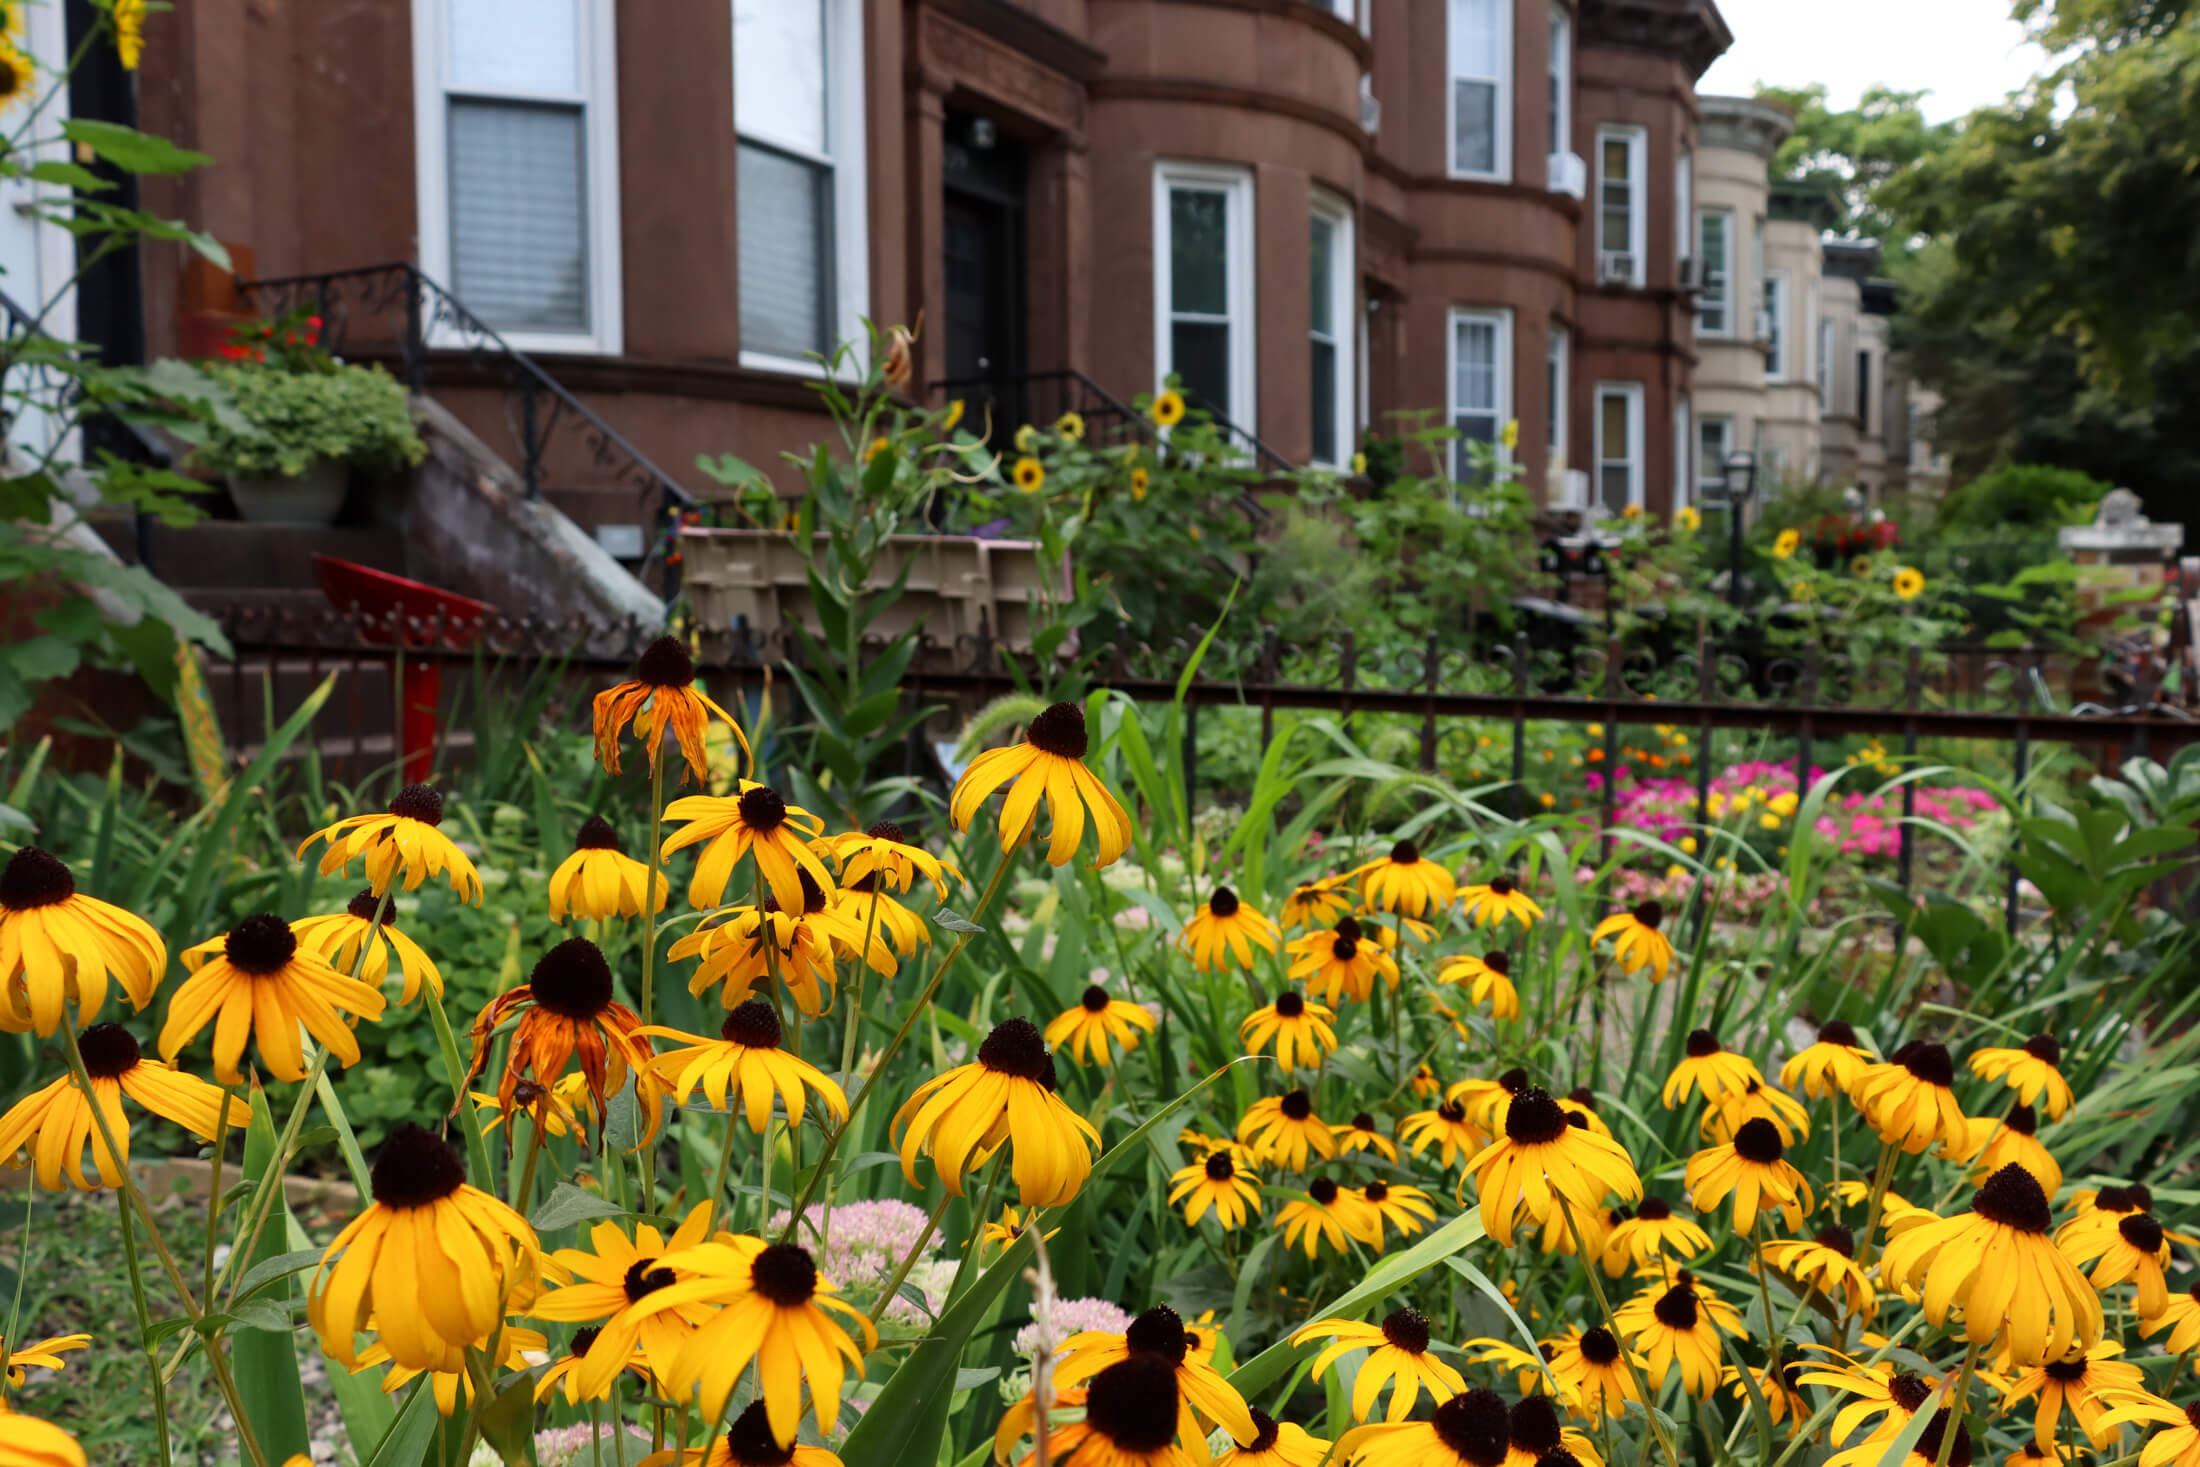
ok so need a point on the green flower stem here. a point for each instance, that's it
(1881, 1175)
(1764, 1293)
(144, 1313)
(892, 1290)
(214, 1189)
(719, 1212)
(1604, 1307)
(647, 1195)
(1958, 1403)
(850, 1025)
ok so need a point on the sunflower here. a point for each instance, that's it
(1708, 1069)
(1217, 1184)
(1993, 1142)
(2135, 1253)
(745, 946)
(1408, 1209)
(613, 1273)
(1398, 1356)
(960, 1118)
(745, 1064)
(2030, 1071)
(1446, 1128)
(1029, 474)
(1592, 1375)
(1786, 545)
(1537, 1433)
(1284, 1129)
(1472, 1429)
(748, 1442)
(1731, 1111)
(663, 684)
(1860, 566)
(1831, 1065)
(1582, 1101)
(56, 1124)
(1909, 1099)
(1224, 932)
(1826, 1262)
(1679, 1327)
(1298, 1031)
(1330, 1213)
(335, 937)
(1049, 764)
(255, 982)
(1639, 943)
(1541, 1160)
(1407, 881)
(405, 839)
(1909, 584)
(1168, 408)
(26, 1441)
(1138, 483)
(1097, 1019)
(1071, 425)
(861, 907)
(453, 1388)
(565, 1011)
(1644, 1240)
(600, 880)
(754, 822)
(1341, 963)
(886, 854)
(1159, 1335)
(1363, 1134)
(2077, 1383)
(431, 1260)
(1491, 902)
(1316, 903)
(1752, 1169)
(1488, 979)
(2031, 1295)
(58, 948)
(2176, 1442)
(1276, 1444)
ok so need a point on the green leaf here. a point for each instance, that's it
(262, 1314)
(622, 1127)
(947, 921)
(567, 1205)
(508, 1424)
(70, 175)
(267, 1270)
(407, 1441)
(264, 1355)
(130, 150)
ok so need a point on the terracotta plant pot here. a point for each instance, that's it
(311, 498)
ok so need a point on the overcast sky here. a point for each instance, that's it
(1967, 52)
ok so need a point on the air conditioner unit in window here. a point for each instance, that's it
(1615, 269)
(1684, 271)
(1570, 489)
(1568, 174)
(1371, 107)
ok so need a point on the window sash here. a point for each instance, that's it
(1558, 368)
(1330, 343)
(1619, 464)
(1480, 97)
(1714, 246)
(1684, 444)
(1825, 366)
(1481, 381)
(1621, 199)
(1205, 338)
(1714, 441)
(1562, 82)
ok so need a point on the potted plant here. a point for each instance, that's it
(303, 422)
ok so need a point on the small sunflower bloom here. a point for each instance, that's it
(1830, 1066)
(1407, 1209)
(1299, 1032)
(1341, 963)
(1224, 932)
(754, 822)
(336, 936)
(745, 1064)
(1094, 1023)
(1826, 1262)
(2032, 1071)
(1407, 881)
(56, 1125)
(1994, 1142)
(662, 697)
(1638, 942)
(1590, 1372)
(255, 983)
(2079, 1383)
(1215, 1185)
(1909, 1099)
(1652, 1234)
(1398, 1357)
(1448, 1129)
(1909, 583)
(1471, 1429)
(961, 1117)
(1731, 1111)
(1709, 1069)
(1752, 1170)
(1276, 1444)
(1316, 903)
(566, 1012)
(404, 840)
(1491, 902)
(1328, 1214)
(1049, 764)
(1363, 1134)
(1284, 1130)
(1487, 979)
(2135, 1253)
(1168, 408)
(59, 947)
(1028, 474)
(1787, 544)
(600, 880)
(1678, 1328)
(1542, 1160)
(884, 853)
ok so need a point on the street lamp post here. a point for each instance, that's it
(1737, 478)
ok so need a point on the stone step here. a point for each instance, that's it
(215, 554)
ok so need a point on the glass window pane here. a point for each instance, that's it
(779, 72)
(1613, 486)
(1474, 121)
(1617, 156)
(1199, 251)
(1612, 409)
(1199, 354)
(1475, 35)
(516, 45)
(1475, 389)
(786, 254)
(1321, 255)
(519, 236)
(1324, 406)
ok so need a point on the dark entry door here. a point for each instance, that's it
(983, 246)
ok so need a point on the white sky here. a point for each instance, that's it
(1968, 52)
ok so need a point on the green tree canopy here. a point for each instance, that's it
(1847, 157)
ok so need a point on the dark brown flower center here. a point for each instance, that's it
(416, 1167)
(1927, 1061)
(1475, 1426)
(1095, 1000)
(750, 1442)
(1363, 1122)
(1654, 1209)
(2022, 1120)
(1133, 1403)
(1297, 1106)
(362, 906)
(1837, 1031)
(2068, 1371)
(1908, 1391)
(813, 895)
(2192, 1416)
(1223, 902)
(1513, 1081)
(1060, 731)
(1598, 1347)
(1651, 914)
(1407, 1329)
(260, 945)
(1451, 1112)
(1928, 1445)
(1265, 1432)
(584, 1340)
(2141, 1232)
(642, 1280)
(785, 1274)
(1345, 949)
(2044, 1047)
(572, 980)
(1159, 1331)
(1534, 1119)
(1376, 1191)
(1583, 1096)
(421, 802)
(1501, 885)
(752, 1025)
(1758, 1141)
(2012, 1197)
(596, 835)
(1838, 1238)
(2140, 1197)
(109, 1051)
(1702, 1044)
(1676, 1308)
(1405, 853)
(1348, 930)
(1289, 1006)
(762, 809)
(1498, 963)
(35, 878)
(1219, 1168)
(1558, 1457)
(2113, 1199)
(1322, 1190)
(1535, 1426)
(1016, 1047)
(665, 664)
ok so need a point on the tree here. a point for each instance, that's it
(1847, 157)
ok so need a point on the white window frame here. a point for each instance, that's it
(1684, 206)
(1503, 172)
(1559, 372)
(1684, 452)
(1633, 392)
(1638, 223)
(1236, 184)
(1502, 318)
(1712, 472)
(845, 129)
(599, 99)
(1722, 299)
(1561, 74)
(1776, 295)
(1827, 339)
(1343, 311)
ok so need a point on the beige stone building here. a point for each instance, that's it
(1736, 141)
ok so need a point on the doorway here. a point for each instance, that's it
(983, 245)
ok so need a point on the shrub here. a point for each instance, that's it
(2021, 497)
(292, 420)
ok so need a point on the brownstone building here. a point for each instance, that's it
(1315, 213)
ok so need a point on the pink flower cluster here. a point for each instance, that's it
(1857, 824)
(864, 1242)
(1069, 1317)
(1872, 824)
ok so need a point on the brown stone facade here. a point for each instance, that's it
(311, 110)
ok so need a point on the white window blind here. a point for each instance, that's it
(1481, 87)
(1481, 381)
(782, 112)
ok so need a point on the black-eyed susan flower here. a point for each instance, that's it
(404, 840)
(1589, 1370)
(45, 1354)
(1406, 1209)
(1008, 1227)
(1638, 943)
(1830, 1066)
(55, 1123)
(1527, 1365)
(552, 1109)
(1909, 1099)
(744, 1067)
(744, 947)
(1542, 1158)
(1316, 903)
(1446, 1128)
(1538, 1433)
(1245, 1156)
(566, 1013)
(1299, 1032)
(1782, 1392)
(1886, 1397)
(453, 1389)
(960, 1118)
(1728, 1113)
(1490, 902)
(887, 856)
(2175, 1438)
(2031, 1071)
(1284, 1129)
(1678, 1328)
(1897, 1213)
(1028, 474)
(1094, 1023)
(754, 822)
(2080, 1383)
(1826, 1262)
(1651, 1235)
(1363, 1134)
(662, 692)
(256, 983)
(613, 1272)
(862, 908)
(1472, 1429)
(1581, 1101)
(2181, 1317)
(748, 1441)
(1343, 962)
(2103, 1209)
(1132, 1414)
(1158, 1334)
(431, 1260)
(1224, 931)
(1993, 1142)
(59, 947)
(2030, 1294)
(1215, 1185)
(1752, 1170)
(25, 1441)
(1407, 881)
(1398, 1357)
(1276, 1444)
(1709, 1069)
(600, 880)
(1049, 765)
(1487, 979)
(1328, 1214)
(1486, 1101)
(336, 936)
(1424, 1083)
(2135, 1253)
